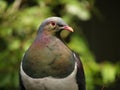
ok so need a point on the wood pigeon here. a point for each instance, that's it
(49, 64)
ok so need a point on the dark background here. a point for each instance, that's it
(103, 34)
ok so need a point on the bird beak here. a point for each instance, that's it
(68, 28)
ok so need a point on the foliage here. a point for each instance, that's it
(19, 21)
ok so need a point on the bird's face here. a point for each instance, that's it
(54, 25)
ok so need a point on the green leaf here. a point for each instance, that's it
(3, 6)
(108, 72)
(14, 44)
(79, 10)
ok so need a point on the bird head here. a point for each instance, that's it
(53, 25)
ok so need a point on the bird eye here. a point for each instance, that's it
(53, 23)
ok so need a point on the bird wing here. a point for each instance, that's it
(80, 77)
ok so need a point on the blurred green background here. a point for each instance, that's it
(96, 25)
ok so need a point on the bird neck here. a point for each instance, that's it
(48, 56)
(43, 38)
